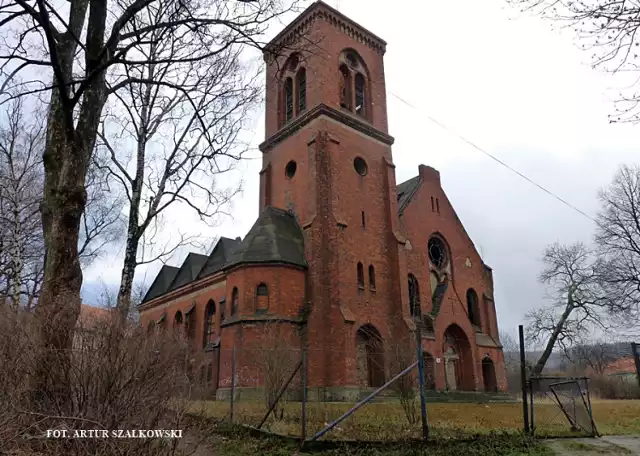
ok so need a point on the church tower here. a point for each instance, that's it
(327, 158)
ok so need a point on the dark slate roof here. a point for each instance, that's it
(161, 283)
(276, 237)
(405, 192)
(189, 270)
(219, 256)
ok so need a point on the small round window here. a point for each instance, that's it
(437, 252)
(360, 166)
(290, 169)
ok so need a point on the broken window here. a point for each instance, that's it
(437, 252)
(209, 323)
(360, 94)
(414, 296)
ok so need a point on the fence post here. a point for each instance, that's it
(636, 357)
(304, 395)
(523, 377)
(423, 401)
(233, 382)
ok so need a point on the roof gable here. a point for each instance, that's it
(189, 270)
(219, 256)
(161, 283)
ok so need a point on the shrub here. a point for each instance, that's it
(119, 377)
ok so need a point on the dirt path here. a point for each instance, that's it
(609, 445)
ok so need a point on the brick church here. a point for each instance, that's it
(341, 258)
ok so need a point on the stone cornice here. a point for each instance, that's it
(183, 290)
(322, 11)
(335, 114)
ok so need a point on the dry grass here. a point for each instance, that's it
(386, 421)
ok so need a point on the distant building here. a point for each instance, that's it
(622, 368)
(349, 260)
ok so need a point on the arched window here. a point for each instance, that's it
(151, 326)
(288, 99)
(414, 296)
(234, 301)
(360, 94)
(209, 323)
(262, 298)
(191, 323)
(177, 321)
(372, 277)
(345, 87)
(360, 276)
(262, 290)
(472, 308)
(301, 81)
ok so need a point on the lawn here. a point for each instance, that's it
(240, 443)
(386, 421)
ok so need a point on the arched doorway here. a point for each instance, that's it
(429, 371)
(489, 376)
(458, 361)
(369, 357)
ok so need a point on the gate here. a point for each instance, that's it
(560, 406)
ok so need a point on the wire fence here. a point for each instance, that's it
(376, 393)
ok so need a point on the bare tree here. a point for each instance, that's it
(89, 50)
(595, 355)
(21, 179)
(608, 29)
(618, 242)
(21, 243)
(179, 142)
(578, 302)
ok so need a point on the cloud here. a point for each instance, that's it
(515, 88)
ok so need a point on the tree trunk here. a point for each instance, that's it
(133, 229)
(537, 369)
(65, 159)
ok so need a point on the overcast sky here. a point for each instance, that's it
(506, 82)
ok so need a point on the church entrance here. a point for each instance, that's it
(451, 369)
(489, 376)
(458, 360)
(369, 357)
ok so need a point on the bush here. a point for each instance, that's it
(118, 378)
(606, 387)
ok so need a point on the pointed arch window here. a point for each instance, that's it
(360, 94)
(414, 296)
(301, 83)
(372, 278)
(288, 99)
(360, 271)
(209, 323)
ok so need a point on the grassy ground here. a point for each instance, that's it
(239, 443)
(386, 421)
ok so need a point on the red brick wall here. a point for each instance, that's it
(419, 222)
(320, 52)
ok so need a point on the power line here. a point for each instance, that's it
(493, 157)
